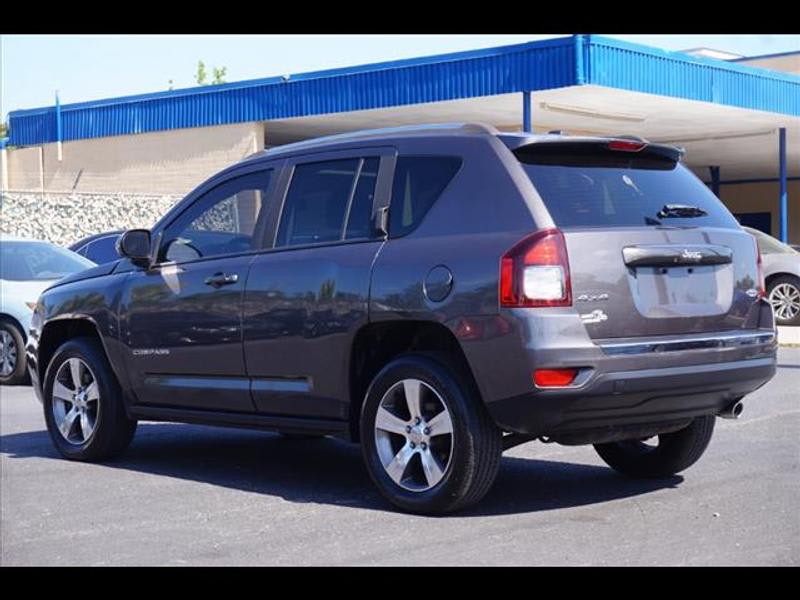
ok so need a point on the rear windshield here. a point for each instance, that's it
(587, 185)
(38, 261)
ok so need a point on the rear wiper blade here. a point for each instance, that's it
(680, 210)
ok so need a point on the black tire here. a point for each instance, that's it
(675, 451)
(19, 373)
(113, 430)
(792, 285)
(475, 444)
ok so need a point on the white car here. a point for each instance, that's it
(781, 264)
(27, 267)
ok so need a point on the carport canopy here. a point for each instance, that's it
(743, 143)
(722, 143)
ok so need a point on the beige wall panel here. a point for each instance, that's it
(163, 162)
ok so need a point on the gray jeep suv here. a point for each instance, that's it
(437, 293)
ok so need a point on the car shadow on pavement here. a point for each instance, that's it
(328, 471)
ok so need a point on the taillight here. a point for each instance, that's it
(554, 377)
(626, 146)
(535, 272)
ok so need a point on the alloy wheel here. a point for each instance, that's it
(414, 435)
(785, 299)
(76, 400)
(8, 353)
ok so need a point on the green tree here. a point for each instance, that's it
(219, 75)
(200, 76)
(3, 130)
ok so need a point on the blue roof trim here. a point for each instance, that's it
(624, 65)
(530, 66)
(545, 64)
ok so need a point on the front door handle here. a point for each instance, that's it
(219, 279)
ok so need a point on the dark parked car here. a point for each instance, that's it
(782, 276)
(437, 293)
(99, 248)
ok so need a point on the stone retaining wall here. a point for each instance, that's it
(65, 217)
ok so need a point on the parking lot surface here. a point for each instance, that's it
(192, 495)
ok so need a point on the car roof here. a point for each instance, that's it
(94, 237)
(443, 130)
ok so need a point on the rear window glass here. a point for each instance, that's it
(38, 261)
(359, 221)
(418, 182)
(316, 204)
(586, 185)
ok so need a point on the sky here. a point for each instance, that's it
(88, 67)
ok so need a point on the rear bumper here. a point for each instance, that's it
(618, 399)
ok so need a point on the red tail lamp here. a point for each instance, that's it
(554, 377)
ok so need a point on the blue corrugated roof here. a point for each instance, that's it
(540, 65)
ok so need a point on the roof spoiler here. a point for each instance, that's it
(599, 152)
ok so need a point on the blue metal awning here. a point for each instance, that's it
(540, 65)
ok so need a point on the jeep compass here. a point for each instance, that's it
(435, 293)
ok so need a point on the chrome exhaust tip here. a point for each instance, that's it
(733, 411)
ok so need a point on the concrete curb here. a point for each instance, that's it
(789, 336)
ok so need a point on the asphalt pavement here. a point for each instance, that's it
(193, 495)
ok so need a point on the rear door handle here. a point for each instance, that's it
(219, 279)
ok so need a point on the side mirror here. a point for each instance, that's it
(135, 244)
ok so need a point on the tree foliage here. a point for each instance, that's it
(201, 76)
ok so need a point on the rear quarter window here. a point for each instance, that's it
(418, 182)
(587, 185)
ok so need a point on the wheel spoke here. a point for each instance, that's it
(92, 392)
(441, 424)
(386, 421)
(86, 426)
(433, 472)
(62, 392)
(75, 372)
(412, 390)
(397, 467)
(65, 426)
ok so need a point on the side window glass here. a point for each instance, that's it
(359, 221)
(220, 222)
(418, 182)
(316, 203)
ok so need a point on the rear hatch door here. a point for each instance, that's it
(651, 250)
